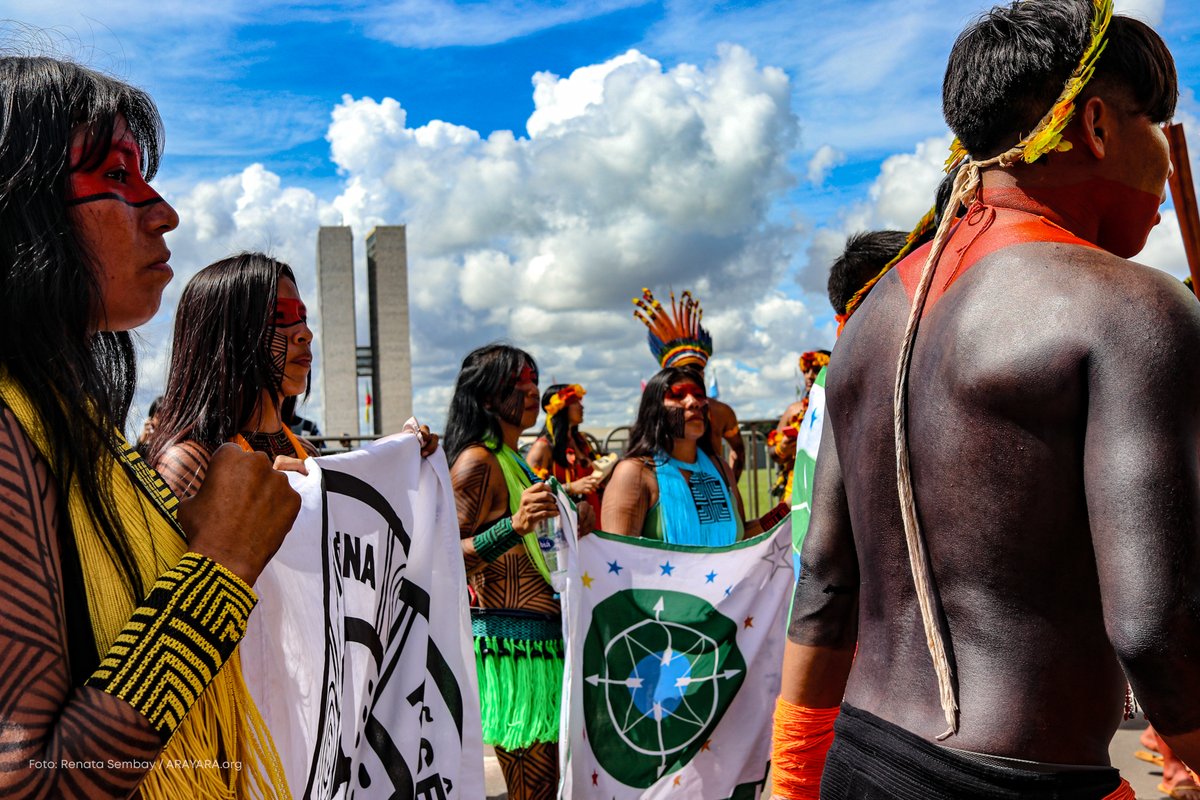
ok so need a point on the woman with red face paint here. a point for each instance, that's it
(670, 486)
(562, 451)
(242, 344)
(516, 618)
(117, 679)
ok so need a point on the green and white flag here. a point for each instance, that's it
(808, 442)
(673, 666)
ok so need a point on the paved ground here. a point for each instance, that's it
(1142, 776)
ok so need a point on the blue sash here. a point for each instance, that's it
(699, 511)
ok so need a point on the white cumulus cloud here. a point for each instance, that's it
(822, 163)
(631, 175)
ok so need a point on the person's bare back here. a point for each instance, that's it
(1047, 429)
(1022, 380)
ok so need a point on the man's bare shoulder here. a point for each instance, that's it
(722, 416)
(789, 412)
(720, 407)
(1125, 303)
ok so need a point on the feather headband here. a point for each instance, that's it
(676, 338)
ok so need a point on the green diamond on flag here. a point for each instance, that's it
(673, 666)
(654, 687)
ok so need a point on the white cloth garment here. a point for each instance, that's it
(359, 654)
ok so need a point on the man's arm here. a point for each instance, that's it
(1142, 481)
(823, 629)
(785, 451)
(733, 435)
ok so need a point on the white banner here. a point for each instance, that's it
(359, 653)
(673, 666)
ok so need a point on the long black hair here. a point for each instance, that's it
(565, 435)
(221, 355)
(1006, 70)
(80, 381)
(652, 431)
(488, 374)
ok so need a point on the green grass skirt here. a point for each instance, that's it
(520, 690)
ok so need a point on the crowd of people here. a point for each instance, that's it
(991, 478)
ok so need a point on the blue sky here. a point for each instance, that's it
(764, 133)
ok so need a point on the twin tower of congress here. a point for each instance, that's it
(387, 360)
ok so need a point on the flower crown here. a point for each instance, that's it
(813, 359)
(562, 398)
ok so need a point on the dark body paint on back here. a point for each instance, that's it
(999, 393)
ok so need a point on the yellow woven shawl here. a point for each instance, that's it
(222, 749)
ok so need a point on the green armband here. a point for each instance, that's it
(496, 540)
(176, 641)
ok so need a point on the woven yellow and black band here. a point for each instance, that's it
(176, 641)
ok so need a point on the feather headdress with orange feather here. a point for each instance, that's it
(676, 337)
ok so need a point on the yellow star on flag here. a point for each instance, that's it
(587, 580)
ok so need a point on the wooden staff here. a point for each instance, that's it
(1183, 193)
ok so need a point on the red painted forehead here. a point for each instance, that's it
(527, 374)
(289, 311)
(117, 176)
(679, 391)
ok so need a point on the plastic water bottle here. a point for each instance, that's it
(553, 543)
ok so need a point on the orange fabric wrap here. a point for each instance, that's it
(1122, 792)
(802, 738)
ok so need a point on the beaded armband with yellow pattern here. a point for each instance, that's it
(176, 641)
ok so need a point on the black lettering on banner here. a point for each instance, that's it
(431, 788)
(358, 562)
(417, 696)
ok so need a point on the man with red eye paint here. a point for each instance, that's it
(1005, 506)
(109, 659)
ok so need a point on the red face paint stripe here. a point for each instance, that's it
(527, 375)
(102, 183)
(289, 311)
(681, 390)
(91, 198)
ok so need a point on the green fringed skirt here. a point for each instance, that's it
(518, 657)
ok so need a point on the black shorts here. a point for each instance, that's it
(872, 759)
